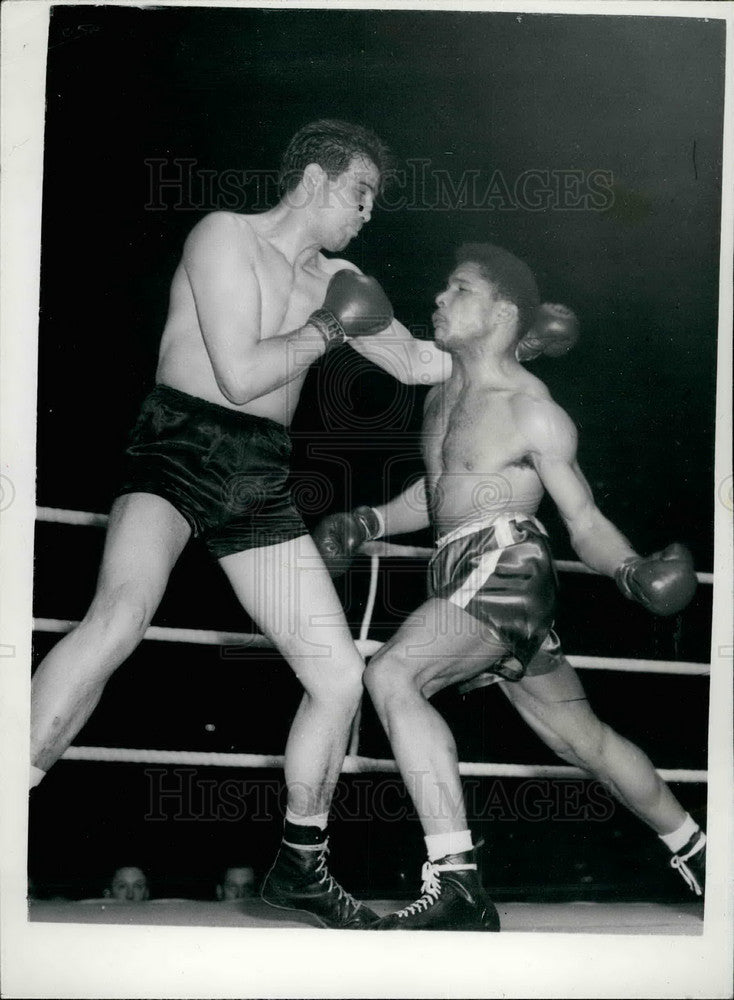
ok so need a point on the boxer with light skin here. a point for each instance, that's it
(253, 303)
(493, 442)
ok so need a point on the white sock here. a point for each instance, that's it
(37, 776)
(441, 844)
(675, 840)
(320, 820)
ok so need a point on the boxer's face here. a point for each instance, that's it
(129, 884)
(344, 203)
(466, 307)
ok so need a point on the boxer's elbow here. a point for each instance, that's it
(234, 388)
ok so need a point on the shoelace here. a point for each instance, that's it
(327, 879)
(431, 889)
(679, 863)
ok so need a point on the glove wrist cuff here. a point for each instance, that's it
(371, 521)
(329, 327)
(622, 575)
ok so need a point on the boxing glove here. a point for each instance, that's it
(339, 536)
(663, 583)
(354, 306)
(554, 332)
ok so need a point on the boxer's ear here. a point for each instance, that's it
(313, 176)
(507, 311)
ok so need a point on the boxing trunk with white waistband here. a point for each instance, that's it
(500, 570)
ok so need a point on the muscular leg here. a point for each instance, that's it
(287, 591)
(144, 539)
(555, 707)
(439, 644)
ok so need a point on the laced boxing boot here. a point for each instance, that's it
(300, 880)
(690, 861)
(453, 900)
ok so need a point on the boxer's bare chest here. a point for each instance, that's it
(471, 430)
(288, 293)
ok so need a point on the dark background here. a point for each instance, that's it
(639, 98)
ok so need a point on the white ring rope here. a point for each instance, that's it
(208, 637)
(56, 515)
(352, 764)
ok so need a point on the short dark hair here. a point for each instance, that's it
(332, 144)
(512, 278)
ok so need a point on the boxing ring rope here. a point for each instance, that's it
(56, 515)
(353, 763)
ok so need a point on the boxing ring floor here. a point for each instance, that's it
(516, 917)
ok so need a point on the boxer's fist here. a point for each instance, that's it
(663, 582)
(554, 332)
(355, 306)
(339, 536)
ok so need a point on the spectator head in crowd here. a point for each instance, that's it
(237, 882)
(129, 884)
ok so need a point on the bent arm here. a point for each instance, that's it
(219, 259)
(600, 545)
(406, 512)
(409, 360)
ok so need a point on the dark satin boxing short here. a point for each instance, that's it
(226, 472)
(501, 572)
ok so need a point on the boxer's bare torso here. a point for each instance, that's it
(284, 296)
(477, 448)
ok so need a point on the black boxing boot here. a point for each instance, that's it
(690, 861)
(453, 900)
(300, 880)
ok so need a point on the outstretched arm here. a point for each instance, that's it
(553, 441)
(398, 352)
(339, 537)
(406, 512)
(664, 582)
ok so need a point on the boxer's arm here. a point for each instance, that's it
(219, 258)
(406, 512)
(339, 537)
(552, 439)
(398, 352)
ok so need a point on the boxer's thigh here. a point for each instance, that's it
(439, 644)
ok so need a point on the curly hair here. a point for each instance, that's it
(513, 280)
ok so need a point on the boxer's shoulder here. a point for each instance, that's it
(542, 421)
(224, 231)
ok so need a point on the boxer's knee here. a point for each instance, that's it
(117, 619)
(385, 678)
(338, 687)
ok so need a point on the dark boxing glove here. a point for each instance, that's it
(339, 536)
(355, 306)
(663, 583)
(554, 332)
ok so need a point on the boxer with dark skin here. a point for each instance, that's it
(253, 303)
(493, 442)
